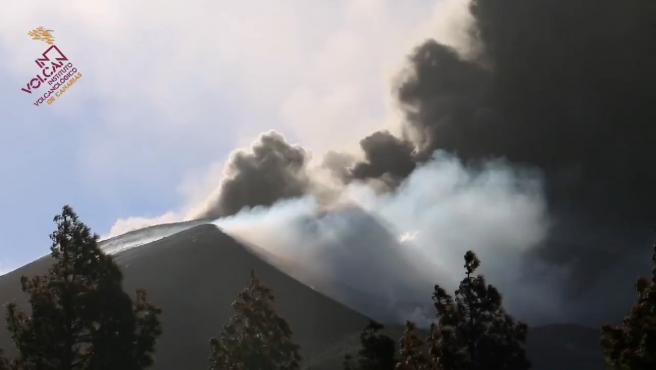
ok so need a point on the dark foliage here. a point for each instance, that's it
(80, 317)
(632, 345)
(413, 353)
(376, 352)
(473, 331)
(256, 338)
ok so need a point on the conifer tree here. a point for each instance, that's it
(412, 354)
(632, 345)
(376, 352)
(473, 331)
(80, 318)
(255, 338)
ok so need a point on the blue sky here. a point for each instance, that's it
(170, 89)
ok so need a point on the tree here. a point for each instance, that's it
(377, 350)
(632, 345)
(80, 316)
(473, 331)
(412, 354)
(255, 338)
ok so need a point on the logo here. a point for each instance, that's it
(42, 34)
(55, 71)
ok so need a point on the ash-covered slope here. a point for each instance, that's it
(136, 238)
(194, 276)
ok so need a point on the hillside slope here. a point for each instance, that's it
(194, 276)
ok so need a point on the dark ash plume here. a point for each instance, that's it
(386, 157)
(271, 171)
(443, 96)
(564, 87)
(567, 87)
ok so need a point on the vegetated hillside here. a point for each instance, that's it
(194, 276)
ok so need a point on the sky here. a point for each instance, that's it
(169, 89)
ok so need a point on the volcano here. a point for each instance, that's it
(193, 271)
(194, 276)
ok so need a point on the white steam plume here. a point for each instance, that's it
(382, 253)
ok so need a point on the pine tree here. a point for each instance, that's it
(80, 317)
(376, 352)
(632, 345)
(473, 331)
(255, 338)
(412, 354)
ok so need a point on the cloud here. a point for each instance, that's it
(218, 74)
(170, 89)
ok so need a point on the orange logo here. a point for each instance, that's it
(42, 34)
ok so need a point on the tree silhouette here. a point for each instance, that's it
(412, 354)
(473, 331)
(376, 352)
(80, 317)
(255, 338)
(632, 345)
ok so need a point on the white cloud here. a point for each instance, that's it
(177, 85)
(175, 62)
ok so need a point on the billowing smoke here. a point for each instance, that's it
(566, 87)
(386, 157)
(549, 122)
(382, 252)
(270, 171)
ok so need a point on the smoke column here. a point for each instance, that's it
(382, 253)
(532, 146)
